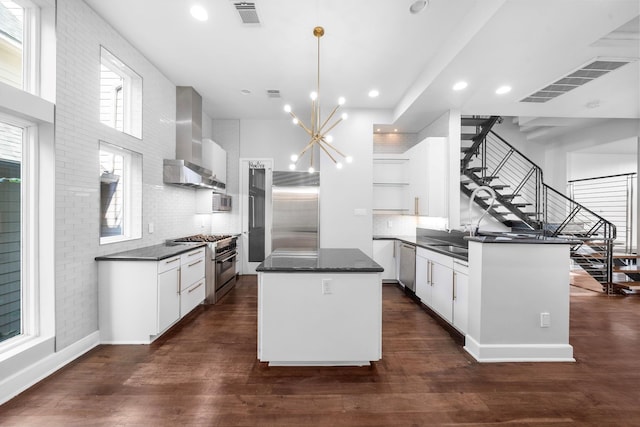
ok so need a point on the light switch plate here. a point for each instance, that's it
(545, 320)
(326, 286)
(151, 228)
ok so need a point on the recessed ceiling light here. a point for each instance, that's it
(373, 93)
(460, 85)
(245, 91)
(199, 12)
(395, 130)
(503, 89)
(418, 6)
(378, 130)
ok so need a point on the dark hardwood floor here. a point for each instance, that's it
(205, 372)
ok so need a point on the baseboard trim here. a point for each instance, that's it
(22, 380)
(492, 353)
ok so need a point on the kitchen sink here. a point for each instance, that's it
(454, 249)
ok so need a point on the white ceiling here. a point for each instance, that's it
(413, 60)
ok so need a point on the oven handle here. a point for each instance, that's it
(227, 258)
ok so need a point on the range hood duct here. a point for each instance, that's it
(187, 170)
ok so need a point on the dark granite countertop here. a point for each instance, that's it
(151, 253)
(325, 260)
(526, 239)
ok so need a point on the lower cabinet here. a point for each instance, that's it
(139, 300)
(384, 254)
(168, 298)
(461, 296)
(442, 285)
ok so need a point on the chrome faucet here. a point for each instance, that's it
(492, 193)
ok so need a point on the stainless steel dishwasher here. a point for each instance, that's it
(408, 266)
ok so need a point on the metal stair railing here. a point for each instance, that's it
(516, 177)
(520, 189)
(564, 217)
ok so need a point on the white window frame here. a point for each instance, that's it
(131, 94)
(29, 246)
(30, 46)
(132, 209)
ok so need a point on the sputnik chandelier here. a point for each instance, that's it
(318, 130)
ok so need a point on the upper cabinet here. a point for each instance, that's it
(390, 183)
(214, 158)
(415, 182)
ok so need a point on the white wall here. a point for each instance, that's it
(557, 165)
(80, 32)
(593, 165)
(346, 195)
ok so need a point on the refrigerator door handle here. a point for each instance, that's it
(253, 211)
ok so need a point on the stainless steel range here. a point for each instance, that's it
(221, 263)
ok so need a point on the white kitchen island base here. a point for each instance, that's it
(319, 318)
(519, 301)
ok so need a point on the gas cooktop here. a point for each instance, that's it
(203, 238)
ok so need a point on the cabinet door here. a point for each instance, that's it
(423, 287)
(442, 290)
(383, 254)
(219, 163)
(437, 181)
(460, 301)
(168, 298)
(418, 196)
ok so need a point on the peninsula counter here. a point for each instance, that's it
(319, 308)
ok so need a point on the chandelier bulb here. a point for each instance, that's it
(292, 166)
(314, 96)
(311, 169)
(294, 158)
(287, 108)
(329, 138)
(349, 159)
(338, 165)
(345, 116)
(295, 120)
(341, 100)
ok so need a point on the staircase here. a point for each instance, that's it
(527, 205)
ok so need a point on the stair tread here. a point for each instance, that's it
(619, 256)
(473, 121)
(626, 269)
(468, 136)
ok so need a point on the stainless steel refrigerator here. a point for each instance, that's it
(296, 211)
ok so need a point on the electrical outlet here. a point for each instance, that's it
(326, 286)
(389, 224)
(545, 320)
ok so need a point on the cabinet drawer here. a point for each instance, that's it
(189, 257)
(445, 260)
(191, 272)
(191, 297)
(168, 263)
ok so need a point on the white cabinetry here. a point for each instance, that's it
(192, 281)
(436, 285)
(390, 183)
(428, 177)
(168, 292)
(384, 254)
(214, 158)
(140, 299)
(460, 295)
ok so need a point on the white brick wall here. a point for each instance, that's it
(80, 32)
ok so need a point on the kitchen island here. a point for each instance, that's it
(518, 299)
(319, 308)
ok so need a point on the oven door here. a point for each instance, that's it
(225, 268)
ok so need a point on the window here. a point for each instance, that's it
(11, 225)
(120, 194)
(18, 47)
(120, 95)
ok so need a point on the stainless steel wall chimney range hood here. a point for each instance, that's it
(187, 170)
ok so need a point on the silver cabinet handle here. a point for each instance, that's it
(195, 287)
(431, 272)
(416, 207)
(454, 285)
(179, 280)
(194, 253)
(194, 263)
(173, 260)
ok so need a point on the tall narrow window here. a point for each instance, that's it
(120, 95)
(120, 194)
(11, 43)
(11, 220)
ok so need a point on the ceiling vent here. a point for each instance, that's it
(247, 12)
(273, 93)
(589, 72)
